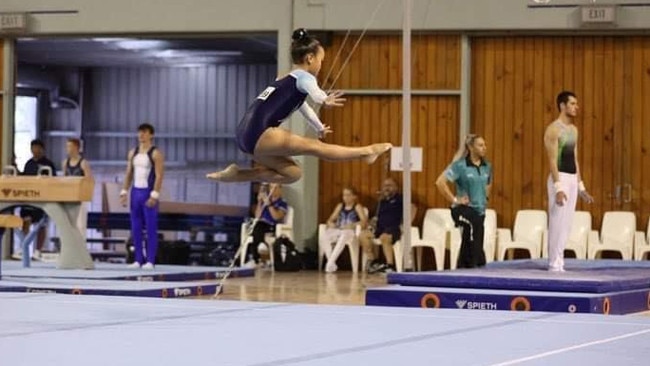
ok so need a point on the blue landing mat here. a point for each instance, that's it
(108, 287)
(476, 299)
(580, 276)
(571, 264)
(112, 271)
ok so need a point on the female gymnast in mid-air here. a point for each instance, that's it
(258, 133)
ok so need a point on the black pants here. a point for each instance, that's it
(259, 231)
(472, 229)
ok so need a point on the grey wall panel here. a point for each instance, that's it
(68, 119)
(206, 100)
(55, 149)
(181, 185)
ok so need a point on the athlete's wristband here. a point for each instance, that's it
(155, 195)
(581, 186)
(123, 192)
(558, 187)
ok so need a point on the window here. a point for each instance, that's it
(24, 128)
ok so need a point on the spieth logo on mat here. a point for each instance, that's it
(475, 305)
(18, 193)
(182, 292)
(40, 291)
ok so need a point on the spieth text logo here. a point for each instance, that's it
(482, 305)
(20, 193)
(182, 292)
(475, 305)
(40, 291)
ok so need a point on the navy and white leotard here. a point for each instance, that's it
(276, 103)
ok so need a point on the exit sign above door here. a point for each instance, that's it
(13, 22)
(598, 14)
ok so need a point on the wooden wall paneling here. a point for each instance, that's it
(1, 87)
(377, 62)
(528, 103)
(639, 114)
(514, 84)
(435, 129)
(517, 86)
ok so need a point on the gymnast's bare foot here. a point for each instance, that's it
(224, 175)
(375, 150)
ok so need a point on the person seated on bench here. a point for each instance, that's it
(385, 228)
(341, 226)
(270, 210)
(32, 215)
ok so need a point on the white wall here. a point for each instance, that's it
(144, 16)
(155, 16)
(457, 15)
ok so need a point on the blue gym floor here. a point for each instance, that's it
(113, 271)
(115, 280)
(108, 287)
(50, 329)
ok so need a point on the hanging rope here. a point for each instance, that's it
(336, 58)
(242, 248)
(363, 33)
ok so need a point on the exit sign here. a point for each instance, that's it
(13, 22)
(600, 14)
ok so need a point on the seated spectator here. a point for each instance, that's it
(32, 215)
(341, 226)
(270, 210)
(386, 228)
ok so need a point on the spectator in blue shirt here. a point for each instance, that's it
(472, 175)
(270, 210)
(386, 228)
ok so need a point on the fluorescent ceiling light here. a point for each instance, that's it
(141, 44)
(196, 53)
(188, 65)
(132, 43)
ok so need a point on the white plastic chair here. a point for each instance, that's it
(435, 235)
(641, 243)
(285, 229)
(398, 249)
(353, 245)
(616, 234)
(579, 236)
(529, 234)
(490, 235)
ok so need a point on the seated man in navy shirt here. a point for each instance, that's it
(271, 210)
(388, 228)
(32, 215)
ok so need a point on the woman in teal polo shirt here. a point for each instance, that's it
(472, 175)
